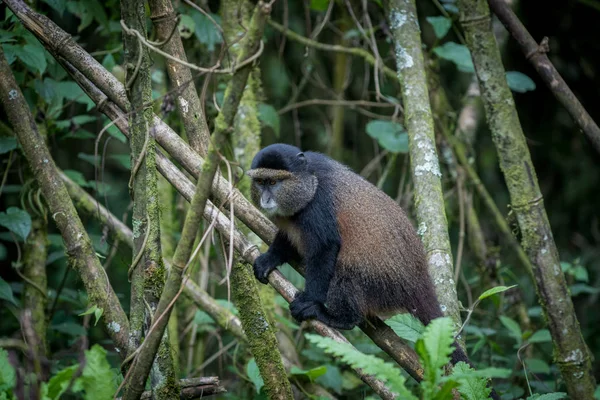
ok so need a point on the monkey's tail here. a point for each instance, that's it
(459, 355)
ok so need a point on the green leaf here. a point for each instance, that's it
(58, 5)
(17, 221)
(116, 133)
(204, 321)
(519, 82)
(83, 119)
(71, 91)
(319, 5)
(458, 54)
(580, 274)
(492, 291)
(332, 378)
(470, 386)
(268, 117)
(537, 366)
(311, 374)
(186, 26)
(76, 177)
(254, 375)
(580, 288)
(441, 25)
(33, 57)
(434, 348)
(98, 379)
(492, 372)
(109, 62)
(96, 311)
(513, 328)
(451, 8)
(406, 326)
(7, 144)
(206, 32)
(597, 393)
(60, 381)
(94, 160)
(541, 336)
(445, 392)
(82, 134)
(8, 377)
(69, 328)
(6, 292)
(390, 135)
(370, 364)
(548, 396)
(3, 252)
(124, 160)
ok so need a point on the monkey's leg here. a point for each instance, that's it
(343, 311)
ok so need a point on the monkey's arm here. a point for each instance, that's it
(281, 251)
(322, 242)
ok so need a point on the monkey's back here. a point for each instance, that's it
(380, 252)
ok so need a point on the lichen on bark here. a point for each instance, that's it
(570, 350)
(429, 201)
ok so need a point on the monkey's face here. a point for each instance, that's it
(281, 193)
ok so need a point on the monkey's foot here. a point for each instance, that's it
(304, 307)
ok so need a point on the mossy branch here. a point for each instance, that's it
(147, 274)
(418, 119)
(570, 350)
(183, 251)
(77, 242)
(190, 109)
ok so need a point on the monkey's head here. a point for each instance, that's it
(282, 184)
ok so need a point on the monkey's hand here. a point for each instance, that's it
(263, 265)
(305, 307)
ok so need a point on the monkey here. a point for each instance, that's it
(362, 255)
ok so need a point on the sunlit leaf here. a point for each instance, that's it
(406, 326)
(492, 291)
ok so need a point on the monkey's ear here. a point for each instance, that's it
(301, 159)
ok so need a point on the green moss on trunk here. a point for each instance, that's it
(570, 350)
(260, 334)
(35, 297)
(148, 276)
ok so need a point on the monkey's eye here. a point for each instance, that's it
(258, 181)
(272, 182)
